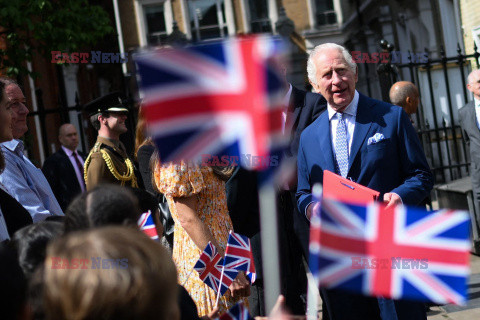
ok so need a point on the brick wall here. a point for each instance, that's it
(178, 14)
(129, 24)
(470, 15)
(297, 10)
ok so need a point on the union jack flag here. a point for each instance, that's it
(237, 312)
(399, 253)
(213, 99)
(238, 254)
(209, 268)
(252, 276)
(146, 224)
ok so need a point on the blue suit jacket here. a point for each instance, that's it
(395, 164)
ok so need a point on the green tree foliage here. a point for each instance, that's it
(40, 26)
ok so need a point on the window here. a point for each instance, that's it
(156, 30)
(259, 19)
(154, 21)
(476, 36)
(325, 12)
(207, 19)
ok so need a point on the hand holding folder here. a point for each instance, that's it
(344, 190)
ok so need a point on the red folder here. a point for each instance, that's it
(344, 190)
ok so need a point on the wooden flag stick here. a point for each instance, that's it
(269, 237)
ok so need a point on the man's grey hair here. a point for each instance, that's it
(311, 68)
(7, 81)
(472, 75)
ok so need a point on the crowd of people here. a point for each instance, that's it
(71, 247)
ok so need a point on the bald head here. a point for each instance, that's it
(405, 94)
(474, 83)
(68, 136)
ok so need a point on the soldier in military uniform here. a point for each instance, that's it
(108, 161)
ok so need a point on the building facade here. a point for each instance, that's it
(410, 26)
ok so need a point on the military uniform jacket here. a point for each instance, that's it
(108, 163)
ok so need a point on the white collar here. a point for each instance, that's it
(12, 144)
(351, 109)
(68, 151)
(476, 102)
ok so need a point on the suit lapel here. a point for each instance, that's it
(471, 120)
(73, 173)
(325, 142)
(297, 102)
(363, 122)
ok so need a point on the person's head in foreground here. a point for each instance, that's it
(106, 204)
(119, 274)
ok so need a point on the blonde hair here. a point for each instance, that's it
(142, 285)
(140, 138)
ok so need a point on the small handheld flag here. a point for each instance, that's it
(216, 99)
(398, 253)
(147, 226)
(209, 268)
(237, 312)
(238, 254)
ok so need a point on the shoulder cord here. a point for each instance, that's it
(129, 176)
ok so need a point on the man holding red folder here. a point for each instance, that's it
(370, 142)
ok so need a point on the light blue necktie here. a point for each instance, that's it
(341, 146)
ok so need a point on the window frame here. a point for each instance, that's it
(476, 36)
(228, 22)
(272, 15)
(140, 6)
(337, 8)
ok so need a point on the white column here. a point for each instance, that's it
(273, 13)
(230, 17)
(120, 34)
(245, 15)
(71, 88)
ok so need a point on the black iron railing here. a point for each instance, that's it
(441, 137)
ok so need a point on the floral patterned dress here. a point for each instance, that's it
(184, 180)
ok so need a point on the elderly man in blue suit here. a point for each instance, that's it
(369, 141)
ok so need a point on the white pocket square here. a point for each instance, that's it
(377, 137)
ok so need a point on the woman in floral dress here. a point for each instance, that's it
(197, 201)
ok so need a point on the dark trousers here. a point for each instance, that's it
(293, 275)
(257, 299)
(343, 305)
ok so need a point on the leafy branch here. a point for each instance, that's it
(31, 27)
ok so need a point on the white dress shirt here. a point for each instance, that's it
(349, 115)
(26, 183)
(78, 173)
(286, 102)
(476, 103)
(3, 228)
